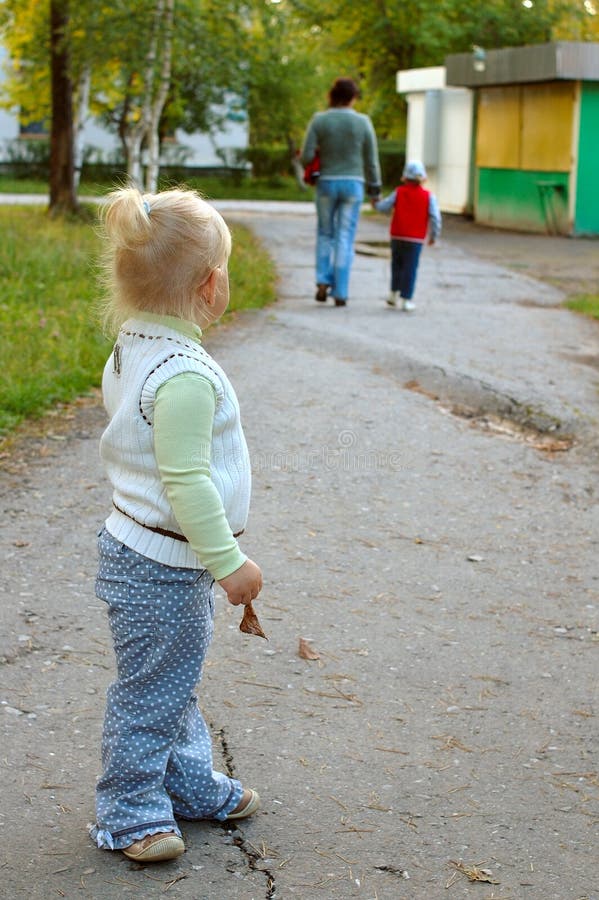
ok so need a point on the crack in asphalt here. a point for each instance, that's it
(253, 857)
(458, 390)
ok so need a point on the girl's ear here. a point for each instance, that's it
(207, 289)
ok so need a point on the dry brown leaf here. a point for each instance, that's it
(473, 873)
(250, 624)
(305, 650)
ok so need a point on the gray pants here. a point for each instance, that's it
(156, 748)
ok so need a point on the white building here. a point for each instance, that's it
(201, 150)
(439, 133)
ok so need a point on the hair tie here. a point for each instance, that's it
(147, 207)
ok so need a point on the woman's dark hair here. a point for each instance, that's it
(343, 92)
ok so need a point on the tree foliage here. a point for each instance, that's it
(287, 72)
(372, 41)
(25, 33)
(270, 59)
(132, 79)
(149, 66)
(209, 64)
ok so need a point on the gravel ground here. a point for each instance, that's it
(441, 566)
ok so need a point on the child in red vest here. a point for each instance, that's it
(415, 214)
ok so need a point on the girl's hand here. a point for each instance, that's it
(243, 585)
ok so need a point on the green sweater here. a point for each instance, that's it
(347, 145)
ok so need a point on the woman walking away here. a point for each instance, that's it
(176, 456)
(346, 142)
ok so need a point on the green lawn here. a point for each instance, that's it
(215, 188)
(212, 187)
(585, 303)
(51, 348)
(9, 185)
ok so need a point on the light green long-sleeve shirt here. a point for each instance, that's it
(184, 410)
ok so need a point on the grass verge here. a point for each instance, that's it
(51, 348)
(212, 187)
(588, 304)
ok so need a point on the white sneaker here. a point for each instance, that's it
(393, 298)
(408, 306)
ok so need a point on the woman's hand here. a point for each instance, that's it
(243, 585)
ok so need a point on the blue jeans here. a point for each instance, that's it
(405, 256)
(338, 203)
(156, 748)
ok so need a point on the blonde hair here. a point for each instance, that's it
(160, 248)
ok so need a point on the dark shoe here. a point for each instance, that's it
(340, 302)
(321, 292)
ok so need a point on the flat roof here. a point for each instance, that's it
(561, 60)
(430, 78)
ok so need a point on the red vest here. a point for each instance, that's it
(410, 213)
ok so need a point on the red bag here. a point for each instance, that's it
(312, 170)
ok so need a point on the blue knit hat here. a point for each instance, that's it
(414, 171)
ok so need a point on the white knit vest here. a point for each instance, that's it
(145, 356)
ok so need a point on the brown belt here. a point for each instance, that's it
(157, 530)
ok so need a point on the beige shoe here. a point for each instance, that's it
(248, 805)
(155, 848)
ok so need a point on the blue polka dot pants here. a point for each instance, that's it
(156, 748)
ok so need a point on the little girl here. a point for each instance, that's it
(176, 456)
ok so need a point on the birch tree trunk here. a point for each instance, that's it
(133, 141)
(166, 9)
(81, 108)
(156, 85)
(137, 130)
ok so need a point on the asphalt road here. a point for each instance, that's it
(424, 510)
